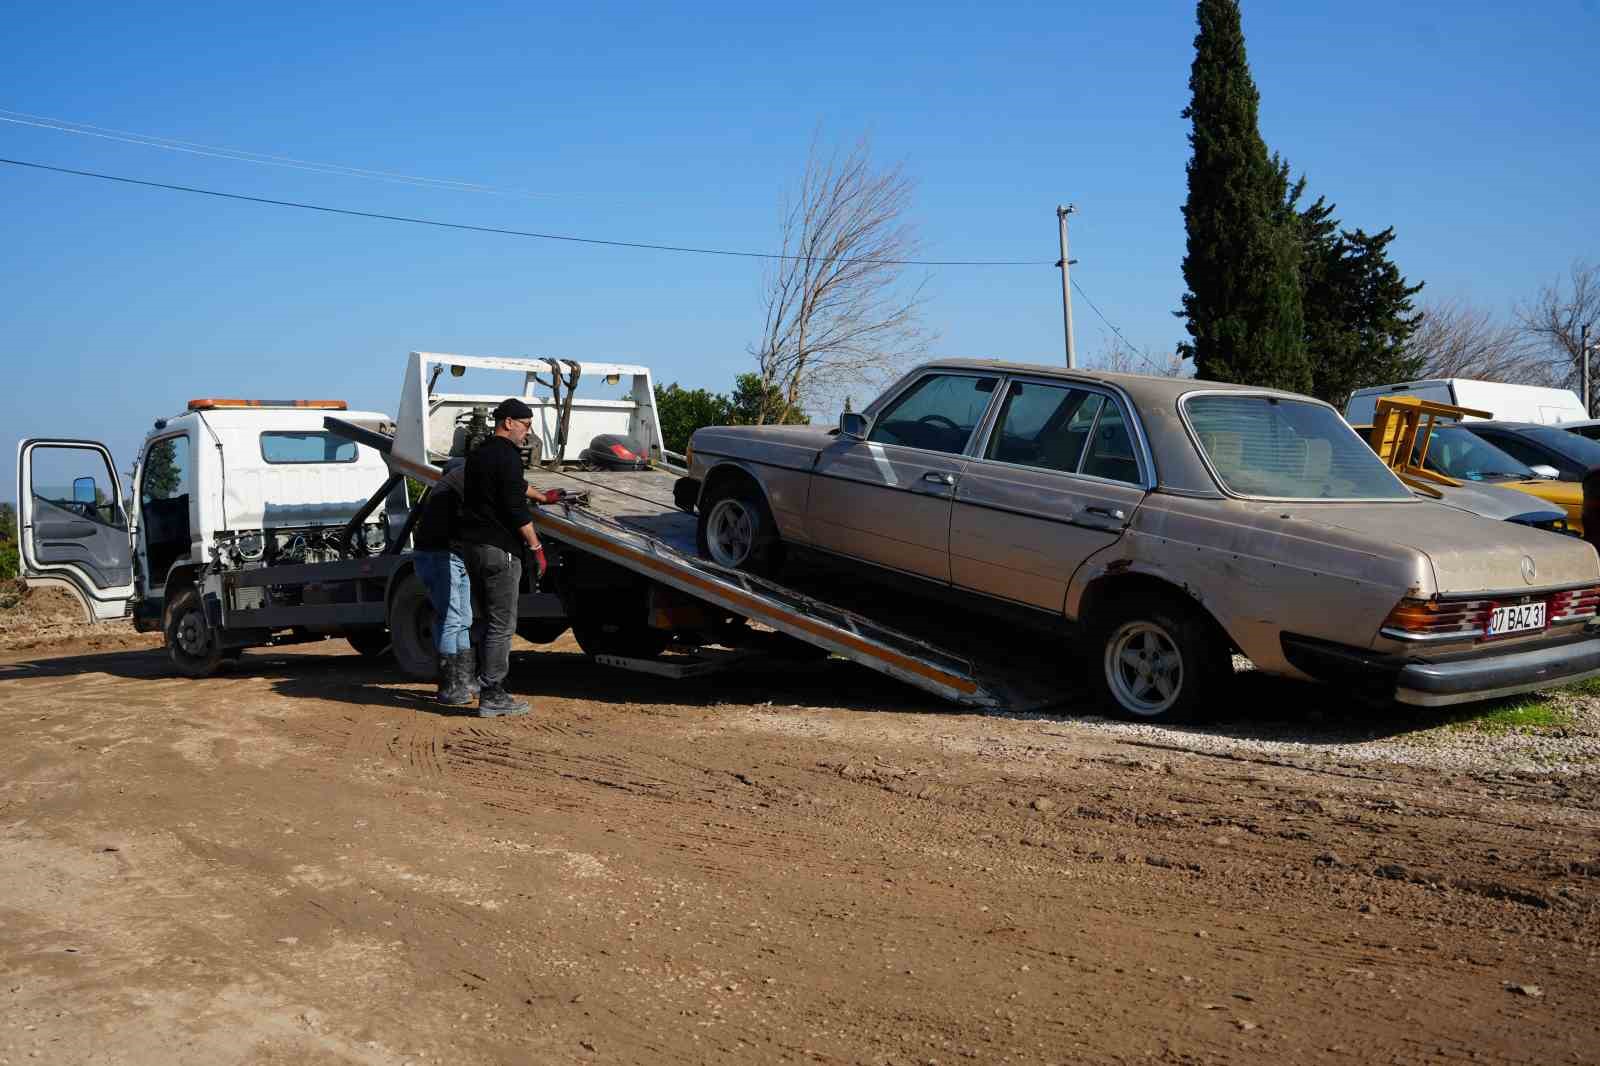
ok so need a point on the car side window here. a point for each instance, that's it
(1111, 454)
(937, 414)
(1045, 426)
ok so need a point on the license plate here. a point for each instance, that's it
(1518, 619)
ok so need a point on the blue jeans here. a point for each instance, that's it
(444, 575)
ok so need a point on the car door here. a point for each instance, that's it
(1056, 481)
(886, 499)
(72, 527)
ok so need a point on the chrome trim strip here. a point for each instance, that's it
(1429, 638)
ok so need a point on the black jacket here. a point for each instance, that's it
(494, 501)
(441, 510)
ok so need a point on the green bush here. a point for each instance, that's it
(8, 558)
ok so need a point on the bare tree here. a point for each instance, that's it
(1118, 356)
(1459, 341)
(838, 310)
(1557, 318)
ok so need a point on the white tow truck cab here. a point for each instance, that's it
(226, 485)
(253, 522)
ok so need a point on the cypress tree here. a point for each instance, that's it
(1358, 310)
(1243, 304)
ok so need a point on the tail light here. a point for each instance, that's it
(1438, 620)
(1575, 604)
(622, 453)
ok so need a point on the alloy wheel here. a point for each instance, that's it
(1144, 668)
(730, 531)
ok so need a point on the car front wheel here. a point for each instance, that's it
(736, 530)
(1158, 660)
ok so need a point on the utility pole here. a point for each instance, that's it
(1066, 283)
(1583, 355)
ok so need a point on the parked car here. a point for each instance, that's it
(1503, 400)
(1587, 427)
(1162, 523)
(1568, 454)
(1511, 502)
(1458, 452)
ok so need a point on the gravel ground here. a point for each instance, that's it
(1296, 724)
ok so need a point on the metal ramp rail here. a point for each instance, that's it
(842, 632)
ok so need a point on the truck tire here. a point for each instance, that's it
(617, 622)
(191, 644)
(370, 641)
(411, 622)
(541, 630)
(1154, 658)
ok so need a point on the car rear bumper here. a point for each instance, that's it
(1479, 675)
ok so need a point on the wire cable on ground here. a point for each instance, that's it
(512, 232)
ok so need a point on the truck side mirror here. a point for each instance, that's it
(83, 490)
(853, 425)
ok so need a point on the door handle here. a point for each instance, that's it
(936, 478)
(1116, 514)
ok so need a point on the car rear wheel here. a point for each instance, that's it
(1158, 660)
(736, 529)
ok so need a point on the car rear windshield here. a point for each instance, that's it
(1287, 449)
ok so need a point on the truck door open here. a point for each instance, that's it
(72, 526)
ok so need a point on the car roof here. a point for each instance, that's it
(1178, 466)
(1497, 424)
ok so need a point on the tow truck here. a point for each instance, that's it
(259, 523)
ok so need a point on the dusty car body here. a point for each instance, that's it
(1164, 522)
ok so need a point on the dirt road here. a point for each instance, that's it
(302, 862)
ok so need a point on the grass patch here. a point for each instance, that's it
(1587, 687)
(1525, 715)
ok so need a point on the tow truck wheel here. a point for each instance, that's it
(191, 645)
(1155, 659)
(371, 641)
(541, 630)
(736, 529)
(411, 622)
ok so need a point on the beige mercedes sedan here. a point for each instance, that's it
(1161, 523)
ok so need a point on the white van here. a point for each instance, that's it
(1504, 402)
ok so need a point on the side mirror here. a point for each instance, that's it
(853, 424)
(83, 490)
(1541, 470)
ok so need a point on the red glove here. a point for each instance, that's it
(550, 496)
(539, 560)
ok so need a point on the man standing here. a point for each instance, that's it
(493, 529)
(444, 574)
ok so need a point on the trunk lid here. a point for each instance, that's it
(1468, 554)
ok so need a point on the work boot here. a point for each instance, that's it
(495, 702)
(452, 684)
(469, 672)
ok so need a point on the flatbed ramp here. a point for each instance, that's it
(630, 519)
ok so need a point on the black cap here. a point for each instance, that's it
(512, 407)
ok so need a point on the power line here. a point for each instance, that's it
(1092, 306)
(240, 155)
(513, 232)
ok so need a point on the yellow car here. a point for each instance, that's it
(1408, 434)
(1457, 452)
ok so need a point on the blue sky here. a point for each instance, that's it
(1468, 126)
